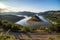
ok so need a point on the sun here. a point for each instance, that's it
(2, 5)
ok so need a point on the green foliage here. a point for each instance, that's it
(50, 38)
(54, 18)
(1, 29)
(11, 18)
(6, 25)
(6, 36)
(55, 28)
(14, 27)
(42, 28)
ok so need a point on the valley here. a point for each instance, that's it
(31, 27)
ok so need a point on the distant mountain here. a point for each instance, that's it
(26, 13)
(50, 13)
(4, 10)
(29, 13)
(18, 13)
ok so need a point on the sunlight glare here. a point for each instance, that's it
(2, 5)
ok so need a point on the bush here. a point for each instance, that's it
(14, 27)
(54, 28)
(50, 38)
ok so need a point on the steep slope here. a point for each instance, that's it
(11, 18)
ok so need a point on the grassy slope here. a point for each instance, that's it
(54, 16)
(11, 18)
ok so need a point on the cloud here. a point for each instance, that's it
(2, 5)
(5, 6)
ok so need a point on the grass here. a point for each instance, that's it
(11, 18)
(5, 25)
(12, 37)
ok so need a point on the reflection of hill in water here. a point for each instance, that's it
(34, 21)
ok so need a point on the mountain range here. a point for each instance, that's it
(9, 12)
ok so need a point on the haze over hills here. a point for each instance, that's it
(49, 12)
(5, 10)
(9, 12)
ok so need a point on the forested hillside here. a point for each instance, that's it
(11, 18)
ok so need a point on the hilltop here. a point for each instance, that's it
(4, 12)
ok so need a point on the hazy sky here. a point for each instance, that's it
(30, 5)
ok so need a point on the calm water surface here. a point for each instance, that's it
(24, 22)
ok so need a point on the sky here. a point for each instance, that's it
(30, 5)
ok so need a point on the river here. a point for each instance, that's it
(44, 22)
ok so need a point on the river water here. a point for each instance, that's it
(24, 22)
